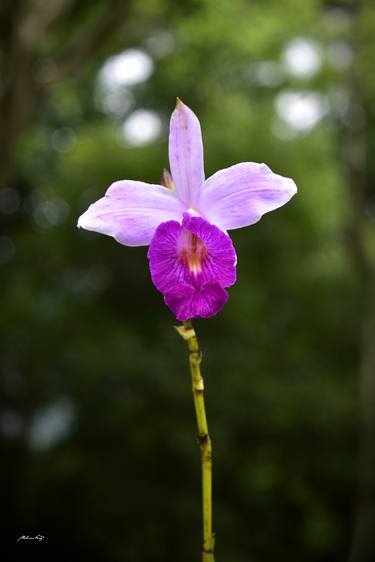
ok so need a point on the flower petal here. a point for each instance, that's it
(186, 154)
(238, 196)
(131, 211)
(221, 259)
(192, 264)
(166, 180)
(186, 302)
(168, 268)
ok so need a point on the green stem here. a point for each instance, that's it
(195, 357)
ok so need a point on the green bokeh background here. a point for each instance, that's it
(87, 340)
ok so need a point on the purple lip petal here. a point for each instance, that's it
(193, 253)
(221, 261)
(238, 196)
(131, 211)
(186, 302)
(191, 264)
(186, 154)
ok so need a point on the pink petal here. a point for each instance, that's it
(192, 288)
(186, 154)
(238, 196)
(131, 211)
(186, 302)
(167, 266)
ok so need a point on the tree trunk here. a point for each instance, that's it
(355, 163)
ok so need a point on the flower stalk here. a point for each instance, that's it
(187, 332)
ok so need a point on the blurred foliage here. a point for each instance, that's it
(82, 324)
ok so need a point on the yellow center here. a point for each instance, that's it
(192, 251)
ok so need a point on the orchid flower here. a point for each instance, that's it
(192, 259)
(185, 220)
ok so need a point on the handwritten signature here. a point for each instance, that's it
(27, 537)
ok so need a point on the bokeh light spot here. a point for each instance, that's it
(126, 69)
(143, 126)
(301, 110)
(302, 57)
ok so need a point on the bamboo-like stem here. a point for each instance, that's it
(195, 357)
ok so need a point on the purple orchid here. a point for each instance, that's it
(185, 221)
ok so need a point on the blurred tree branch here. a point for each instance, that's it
(21, 90)
(355, 161)
(87, 42)
(38, 18)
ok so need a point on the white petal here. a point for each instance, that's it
(131, 211)
(238, 196)
(186, 154)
